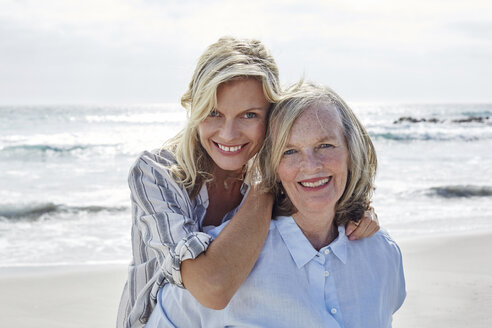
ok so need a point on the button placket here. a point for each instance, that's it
(330, 291)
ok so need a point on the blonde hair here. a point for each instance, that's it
(226, 60)
(362, 155)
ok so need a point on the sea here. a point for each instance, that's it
(64, 198)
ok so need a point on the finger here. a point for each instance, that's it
(365, 222)
(373, 223)
(374, 215)
(351, 226)
(360, 232)
(375, 228)
(364, 226)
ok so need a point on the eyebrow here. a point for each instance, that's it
(243, 111)
(325, 138)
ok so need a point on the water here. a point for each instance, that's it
(63, 169)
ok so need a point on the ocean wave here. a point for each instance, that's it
(395, 136)
(486, 112)
(166, 118)
(425, 136)
(467, 119)
(461, 191)
(33, 211)
(42, 150)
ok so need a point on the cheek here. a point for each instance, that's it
(200, 133)
(342, 168)
(206, 128)
(258, 132)
(286, 173)
(201, 128)
(203, 133)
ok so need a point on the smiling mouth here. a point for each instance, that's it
(315, 184)
(229, 149)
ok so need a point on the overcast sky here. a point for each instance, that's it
(129, 51)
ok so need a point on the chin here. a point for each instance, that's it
(231, 167)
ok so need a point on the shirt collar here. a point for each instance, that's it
(299, 246)
(339, 245)
(203, 194)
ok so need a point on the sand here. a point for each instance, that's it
(449, 284)
(68, 297)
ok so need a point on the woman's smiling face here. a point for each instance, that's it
(235, 130)
(314, 166)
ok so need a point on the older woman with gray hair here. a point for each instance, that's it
(320, 163)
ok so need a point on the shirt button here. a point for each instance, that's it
(333, 311)
(327, 273)
(327, 251)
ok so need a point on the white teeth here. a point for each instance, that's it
(315, 184)
(230, 149)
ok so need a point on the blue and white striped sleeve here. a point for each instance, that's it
(165, 218)
(165, 232)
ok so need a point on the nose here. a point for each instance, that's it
(228, 131)
(311, 161)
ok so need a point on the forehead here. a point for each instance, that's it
(317, 122)
(241, 93)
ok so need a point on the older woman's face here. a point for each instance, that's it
(314, 165)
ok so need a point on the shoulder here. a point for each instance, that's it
(152, 162)
(382, 245)
(153, 168)
(158, 158)
(385, 239)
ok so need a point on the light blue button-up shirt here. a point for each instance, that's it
(345, 284)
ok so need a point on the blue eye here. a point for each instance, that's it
(213, 113)
(289, 152)
(250, 115)
(326, 146)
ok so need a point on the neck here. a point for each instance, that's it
(224, 194)
(226, 179)
(319, 231)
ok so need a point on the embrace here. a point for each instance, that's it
(257, 214)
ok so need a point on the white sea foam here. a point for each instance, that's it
(72, 163)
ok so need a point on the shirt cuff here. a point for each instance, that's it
(187, 248)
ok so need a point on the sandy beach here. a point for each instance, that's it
(68, 297)
(449, 284)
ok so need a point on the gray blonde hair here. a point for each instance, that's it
(362, 155)
(226, 60)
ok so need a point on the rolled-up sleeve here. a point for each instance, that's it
(161, 233)
(165, 216)
(165, 232)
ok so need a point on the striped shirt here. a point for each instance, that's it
(166, 230)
